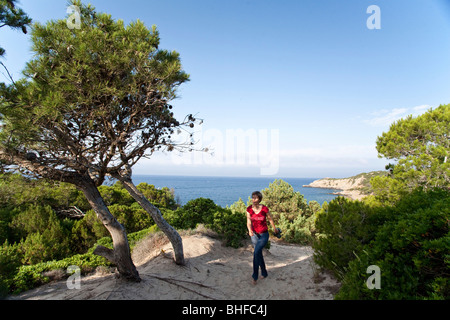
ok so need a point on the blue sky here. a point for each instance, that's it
(299, 88)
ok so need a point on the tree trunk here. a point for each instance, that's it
(120, 256)
(155, 213)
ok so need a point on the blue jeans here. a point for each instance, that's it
(259, 242)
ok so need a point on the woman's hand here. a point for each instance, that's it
(250, 233)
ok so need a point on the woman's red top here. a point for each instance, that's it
(259, 223)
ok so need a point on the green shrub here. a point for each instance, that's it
(231, 225)
(86, 232)
(411, 249)
(291, 212)
(132, 217)
(408, 241)
(200, 210)
(17, 190)
(10, 261)
(298, 230)
(5, 220)
(29, 277)
(16, 278)
(239, 206)
(115, 194)
(344, 226)
(34, 238)
(162, 198)
(43, 236)
(281, 198)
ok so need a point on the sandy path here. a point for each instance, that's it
(212, 272)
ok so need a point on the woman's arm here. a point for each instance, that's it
(249, 225)
(272, 222)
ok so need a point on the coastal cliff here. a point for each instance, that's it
(356, 187)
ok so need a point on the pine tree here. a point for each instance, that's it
(420, 146)
(95, 100)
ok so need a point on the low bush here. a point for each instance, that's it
(15, 277)
(408, 241)
(281, 198)
(232, 226)
(291, 212)
(30, 276)
(229, 224)
(343, 227)
(298, 230)
(200, 210)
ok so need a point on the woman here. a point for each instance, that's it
(257, 215)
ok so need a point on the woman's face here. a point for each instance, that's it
(255, 200)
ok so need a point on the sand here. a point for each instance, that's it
(213, 271)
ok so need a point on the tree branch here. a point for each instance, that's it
(9, 75)
(43, 170)
(105, 253)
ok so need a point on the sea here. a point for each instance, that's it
(225, 191)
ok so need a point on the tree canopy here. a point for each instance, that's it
(420, 146)
(92, 100)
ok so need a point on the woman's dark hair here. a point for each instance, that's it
(258, 194)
